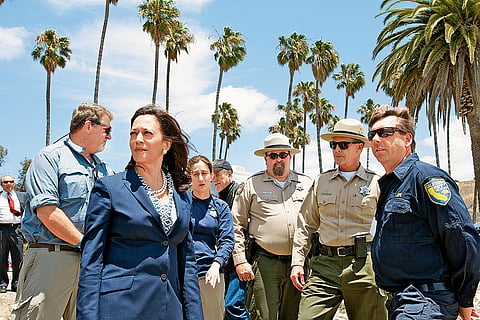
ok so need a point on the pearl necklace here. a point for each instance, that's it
(160, 191)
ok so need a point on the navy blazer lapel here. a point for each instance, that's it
(132, 183)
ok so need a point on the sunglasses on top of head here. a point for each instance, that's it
(342, 144)
(382, 132)
(106, 129)
(282, 155)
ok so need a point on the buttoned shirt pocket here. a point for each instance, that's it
(267, 203)
(398, 216)
(326, 200)
(73, 183)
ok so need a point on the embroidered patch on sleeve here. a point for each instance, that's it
(240, 189)
(438, 191)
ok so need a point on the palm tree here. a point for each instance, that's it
(53, 51)
(226, 113)
(324, 60)
(322, 117)
(100, 49)
(232, 135)
(366, 111)
(295, 114)
(436, 49)
(352, 79)
(307, 92)
(293, 51)
(229, 49)
(1, 2)
(179, 41)
(159, 18)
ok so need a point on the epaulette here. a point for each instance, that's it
(257, 174)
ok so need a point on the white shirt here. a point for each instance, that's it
(5, 215)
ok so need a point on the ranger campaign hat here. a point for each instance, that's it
(350, 128)
(221, 164)
(275, 142)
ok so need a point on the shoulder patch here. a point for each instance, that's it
(240, 188)
(438, 191)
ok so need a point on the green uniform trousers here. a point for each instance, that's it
(334, 279)
(272, 295)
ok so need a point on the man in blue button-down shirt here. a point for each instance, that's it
(58, 185)
(426, 250)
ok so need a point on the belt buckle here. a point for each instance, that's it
(339, 249)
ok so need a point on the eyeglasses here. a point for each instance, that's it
(382, 132)
(10, 181)
(342, 144)
(282, 155)
(106, 129)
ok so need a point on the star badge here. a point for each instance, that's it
(364, 190)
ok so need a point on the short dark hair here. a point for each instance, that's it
(405, 120)
(197, 159)
(85, 112)
(175, 161)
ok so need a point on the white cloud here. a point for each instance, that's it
(460, 151)
(12, 42)
(192, 5)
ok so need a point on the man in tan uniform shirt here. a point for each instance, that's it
(340, 206)
(271, 199)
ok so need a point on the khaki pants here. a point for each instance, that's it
(47, 286)
(334, 279)
(213, 302)
(274, 295)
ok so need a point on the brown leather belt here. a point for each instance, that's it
(54, 247)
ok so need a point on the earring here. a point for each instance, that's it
(164, 151)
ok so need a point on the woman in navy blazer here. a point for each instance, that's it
(138, 257)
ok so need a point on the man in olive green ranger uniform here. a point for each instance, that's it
(340, 206)
(267, 206)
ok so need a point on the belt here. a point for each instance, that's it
(54, 247)
(13, 225)
(342, 251)
(424, 287)
(265, 253)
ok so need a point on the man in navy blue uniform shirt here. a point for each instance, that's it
(426, 250)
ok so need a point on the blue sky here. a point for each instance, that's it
(255, 87)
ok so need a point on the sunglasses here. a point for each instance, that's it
(282, 155)
(382, 132)
(342, 144)
(106, 129)
(8, 181)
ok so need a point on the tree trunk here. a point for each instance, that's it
(346, 105)
(221, 148)
(226, 150)
(318, 127)
(167, 89)
(155, 73)
(215, 122)
(47, 95)
(304, 138)
(435, 141)
(368, 158)
(474, 126)
(449, 166)
(100, 51)
(289, 104)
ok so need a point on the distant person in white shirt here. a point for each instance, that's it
(11, 239)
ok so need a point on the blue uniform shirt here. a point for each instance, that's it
(424, 232)
(59, 175)
(212, 233)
